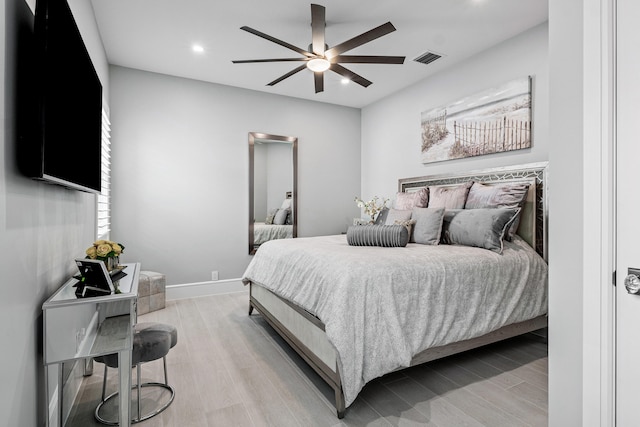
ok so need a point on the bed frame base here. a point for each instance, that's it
(332, 376)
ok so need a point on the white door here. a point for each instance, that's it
(628, 212)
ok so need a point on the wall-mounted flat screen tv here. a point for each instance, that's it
(67, 141)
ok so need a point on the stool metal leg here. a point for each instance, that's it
(139, 381)
(139, 387)
(104, 382)
(164, 362)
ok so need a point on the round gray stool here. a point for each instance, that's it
(151, 341)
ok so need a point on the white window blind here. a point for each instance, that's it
(103, 208)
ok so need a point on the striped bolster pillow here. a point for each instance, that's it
(378, 235)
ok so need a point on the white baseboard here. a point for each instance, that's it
(192, 290)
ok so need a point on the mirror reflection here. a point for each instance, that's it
(272, 188)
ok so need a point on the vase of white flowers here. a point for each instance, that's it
(373, 207)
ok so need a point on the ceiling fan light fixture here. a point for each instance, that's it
(318, 64)
(319, 58)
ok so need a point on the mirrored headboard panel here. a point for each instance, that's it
(273, 188)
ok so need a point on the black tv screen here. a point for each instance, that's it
(68, 137)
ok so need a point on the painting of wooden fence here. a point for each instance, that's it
(493, 121)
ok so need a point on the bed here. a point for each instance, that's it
(278, 224)
(355, 313)
(263, 232)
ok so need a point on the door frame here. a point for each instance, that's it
(599, 232)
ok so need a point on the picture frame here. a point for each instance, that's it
(94, 279)
(495, 120)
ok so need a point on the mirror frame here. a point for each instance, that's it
(256, 136)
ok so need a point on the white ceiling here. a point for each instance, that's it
(157, 36)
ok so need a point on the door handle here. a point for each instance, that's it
(632, 281)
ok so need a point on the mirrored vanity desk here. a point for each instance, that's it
(83, 328)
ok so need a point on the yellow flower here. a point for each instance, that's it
(103, 249)
(91, 252)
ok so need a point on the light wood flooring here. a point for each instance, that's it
(231, 369)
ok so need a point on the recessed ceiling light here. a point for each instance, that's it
(197, 48)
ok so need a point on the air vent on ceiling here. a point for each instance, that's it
(427, 58)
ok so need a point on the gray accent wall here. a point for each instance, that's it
(180, 183)
(42, 229)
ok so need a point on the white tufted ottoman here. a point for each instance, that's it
(151, 291)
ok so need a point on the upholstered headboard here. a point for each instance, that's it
(533, 218)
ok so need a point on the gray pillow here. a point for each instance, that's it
(378, 235)
(449, 197)
(394, 215)
(281, 217)
(482, 228)
(508, 195)
(428, 226)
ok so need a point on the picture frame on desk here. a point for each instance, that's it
(94, 279)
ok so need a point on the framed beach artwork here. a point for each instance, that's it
(495, 120)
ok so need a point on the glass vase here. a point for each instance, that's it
(112, 263)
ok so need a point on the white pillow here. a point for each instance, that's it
(286, 204)
(281, 217)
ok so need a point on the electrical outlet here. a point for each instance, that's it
(214, 275)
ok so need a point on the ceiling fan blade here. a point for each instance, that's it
(277, 41)
(289, 74)
(368, 59)
(318, 25)
(363, 38)
(246, 61)
(337, 68)
(318, 78)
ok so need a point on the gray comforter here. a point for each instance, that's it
(382, 306)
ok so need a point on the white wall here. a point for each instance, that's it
(180, 170)
(260, 168)
(280, 173)
(566, 50)
(391, 137)
(42, 229)
(273, 176)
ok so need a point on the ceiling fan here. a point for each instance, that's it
(320, 58)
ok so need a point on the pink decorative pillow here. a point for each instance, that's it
(508, 195)
(416, 199)
(449, 197)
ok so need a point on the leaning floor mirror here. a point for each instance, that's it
(273, 193)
